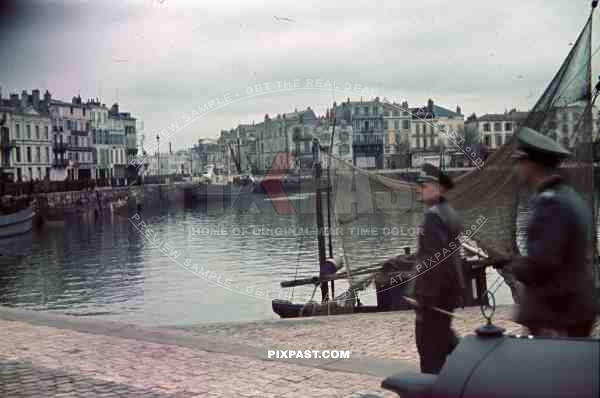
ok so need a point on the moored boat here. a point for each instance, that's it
(16, 217)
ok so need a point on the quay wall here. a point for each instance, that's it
(58, 205)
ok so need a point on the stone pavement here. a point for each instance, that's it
(58, 360)
(44, 354)
(384, 336)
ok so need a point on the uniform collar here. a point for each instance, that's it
(549, 182)
(438, 203)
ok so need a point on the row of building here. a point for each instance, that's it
(369, 134)
(373, 134)
(42, 138)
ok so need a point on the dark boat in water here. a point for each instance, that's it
(16, 217)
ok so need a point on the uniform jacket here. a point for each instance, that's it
(556, 274)
(439, 281)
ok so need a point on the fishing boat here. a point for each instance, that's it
(16, 217)
(391, 277)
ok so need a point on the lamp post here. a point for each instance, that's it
(158, 156)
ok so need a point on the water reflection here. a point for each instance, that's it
(115, 269)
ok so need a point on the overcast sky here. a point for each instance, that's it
(164, 58)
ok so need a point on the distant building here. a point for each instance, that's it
(369, 135)
(117, 142)
(26, 149)
(99, 124)
(496, 129)
(433, 131)
(72, 141)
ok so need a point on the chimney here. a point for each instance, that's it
(47, 97)
(14, 99)
(430, 105)
(458, 110)
(24, 99)
(35, 94)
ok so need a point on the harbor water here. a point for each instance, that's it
(186, 265)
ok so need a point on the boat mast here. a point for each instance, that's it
(329, 161)
(319, 210)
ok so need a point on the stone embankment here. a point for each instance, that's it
(57, 205)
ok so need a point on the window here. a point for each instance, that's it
(38, 155)
(18, 153)
(37, 132)
(46, 129)
(356, 111)
(47, 154)
(39, 173)
(28, 154)
(396, 112)
(431, 129)
(405, 124)
(71, 110)
(28, 127)
(17, 131)
(497, 126)
(366, 110)
(508, 126)
(498, 140)
(396, 124)
(385, 124)
(418, 128)
(565, 128)
(487, 140)
(387, 149)
(486, 127)
(306, 147)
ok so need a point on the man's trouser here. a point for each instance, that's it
(435, 339)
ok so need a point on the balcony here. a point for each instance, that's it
(8, 144)
(367, 139)
(60, 163)
(59, 147)
(57, 129)
(81, 133)
(132, 151)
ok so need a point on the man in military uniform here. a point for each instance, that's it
(438, 281)
(556, 286)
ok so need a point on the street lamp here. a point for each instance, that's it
(158, 155)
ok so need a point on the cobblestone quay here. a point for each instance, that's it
(48, 355)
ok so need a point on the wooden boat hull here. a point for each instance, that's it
(287, 309)
(17, 223)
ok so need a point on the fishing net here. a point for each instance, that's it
(493, 190)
